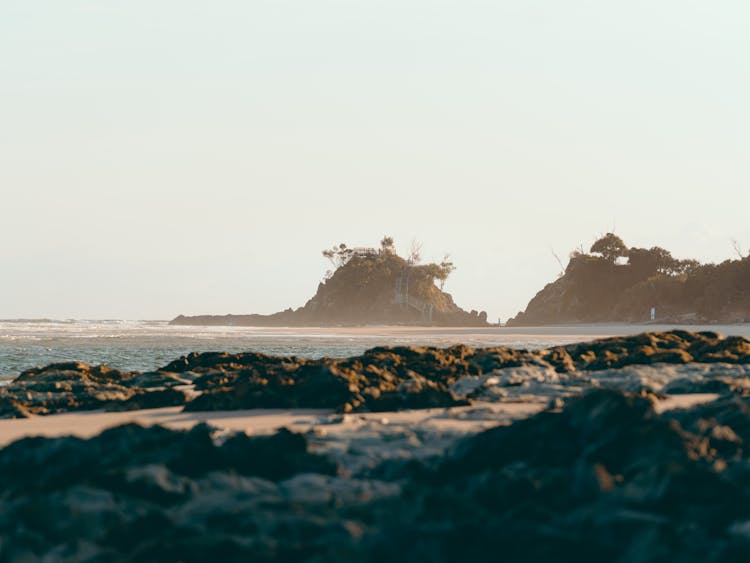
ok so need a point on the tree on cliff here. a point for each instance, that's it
(657, 260)
(415, 252)
(338, 255)
(611, 247)
(386, 259)
(443, 270)
(591, 290)
(387, 246)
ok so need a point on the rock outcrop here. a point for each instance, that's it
(368, 287)
(597, 475)
(399, 377)
(381, 379)
(619, 284)
(75, 386)
(602, 477)
(153, 494)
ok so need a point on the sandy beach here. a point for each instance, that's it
(463, 420)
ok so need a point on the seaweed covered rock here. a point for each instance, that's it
(154, 494)
(378, 381)
(73, 386)
(602, 479)
(388, 378)
(672, 347)
(382, 378)
(41, 464)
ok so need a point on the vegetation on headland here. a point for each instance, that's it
(369, 286)
(615, 283)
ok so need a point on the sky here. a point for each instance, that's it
(160, 157)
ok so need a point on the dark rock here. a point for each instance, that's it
(157, 380)
(602, 477)
(382, 378)
(386, 378)
(674, 347)
(41, 464)
(150, 400)
(688, 385)
(73, 370)
(152, 494)
(75, 386)
(10, 408)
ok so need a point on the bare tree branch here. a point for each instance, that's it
(562, 267)
(737, 249)
(415, 252)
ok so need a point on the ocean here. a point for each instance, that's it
(148, 345)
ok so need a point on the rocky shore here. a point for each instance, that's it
(387, 378)
(599, 477)
(607, 470)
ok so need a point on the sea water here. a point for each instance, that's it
(148, 345)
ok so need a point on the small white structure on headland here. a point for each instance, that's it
(653, 313)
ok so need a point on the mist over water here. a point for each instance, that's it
(148, 345)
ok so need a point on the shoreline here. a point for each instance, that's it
(584, 451)
(147, 345)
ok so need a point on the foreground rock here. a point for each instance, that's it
(74, 386)
(399, 377)
(154, 494)
(385, 379)
(601, 478)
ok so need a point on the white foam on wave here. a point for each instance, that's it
(149, 344)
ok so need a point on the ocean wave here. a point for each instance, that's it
(148, 344)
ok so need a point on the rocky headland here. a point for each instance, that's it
(614, 283)
(367, 286)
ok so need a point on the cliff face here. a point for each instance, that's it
(378, 288)
(624, 288)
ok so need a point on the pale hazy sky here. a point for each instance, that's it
(163, 157)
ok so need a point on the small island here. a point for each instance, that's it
(367, 286)
(614, 283)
